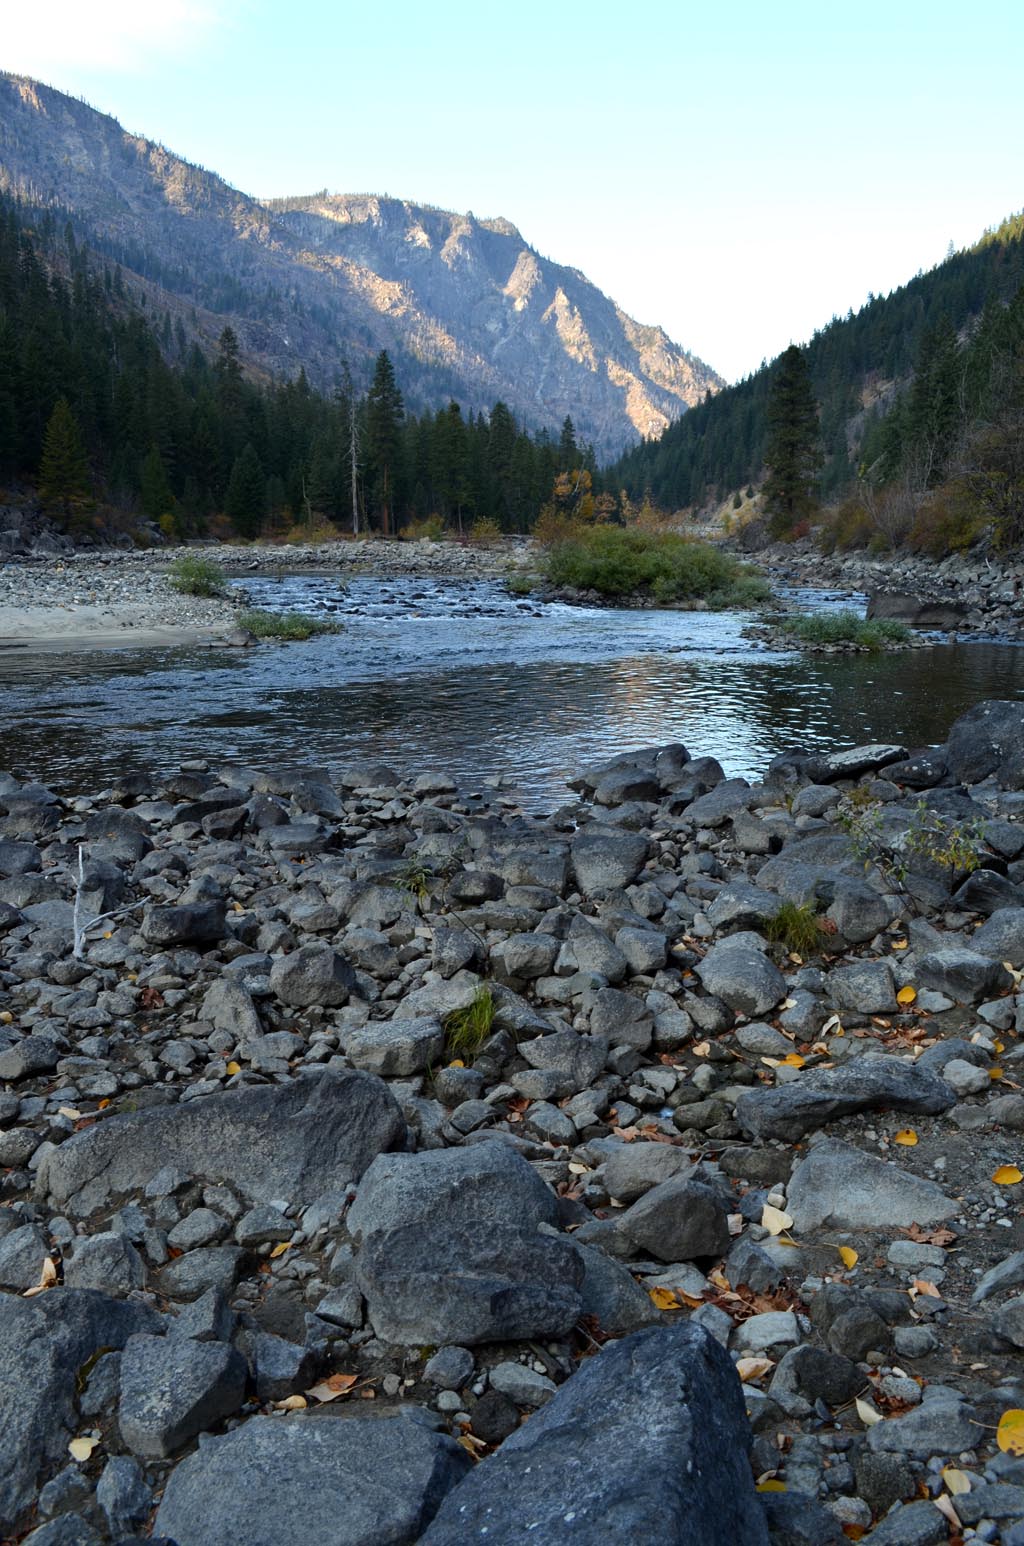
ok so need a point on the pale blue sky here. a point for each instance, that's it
(737, 172)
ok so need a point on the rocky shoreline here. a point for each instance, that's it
(370, 1119)
(960, 595)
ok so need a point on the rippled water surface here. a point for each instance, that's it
(467, 679)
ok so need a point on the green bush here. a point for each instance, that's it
(196, 576)
(844, 628)
(284, 625)
(667, 567)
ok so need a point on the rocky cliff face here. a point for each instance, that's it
(466, 307)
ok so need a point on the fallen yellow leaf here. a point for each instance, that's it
(772, 1485)
(332, 1387)
(456, 1063)
(899, 944)
(290, 1404)
(81, 1449)
(848, 1256)
(6, 1018)
(956, 1481)
(774, 1220)
(906, 995)
(906, 1136)
(1010, 1433)
(233, 1068)
(664, 1299)
(793, 1060)
(280, 1248)
(995, 1073)
(754, 1368)
(47, 1278)
(1007, 1175)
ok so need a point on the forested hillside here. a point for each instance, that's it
(103, 404)
(859, 365)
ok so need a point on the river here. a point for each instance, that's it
(467, 679)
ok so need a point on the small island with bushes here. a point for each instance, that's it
(607, 565)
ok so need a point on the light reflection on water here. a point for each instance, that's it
(469, 680)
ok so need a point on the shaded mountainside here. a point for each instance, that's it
(859, 365)
(465, 307)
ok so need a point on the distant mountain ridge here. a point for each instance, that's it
(465, 307)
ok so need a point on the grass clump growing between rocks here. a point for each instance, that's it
(796, 927)
(845, 628)
(196, 576)
(284, 625)
(661, 566)
(466, 1030)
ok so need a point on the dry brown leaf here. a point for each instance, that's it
(957, 1482)
(947, 1511)
(47, 1278)
(922, 1286)
(81, 1449)
(774, 1220)
(332, 1387)
(867, 1413)
(754, 1368)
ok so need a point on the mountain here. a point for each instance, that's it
(466, 307)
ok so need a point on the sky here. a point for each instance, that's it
(737, 172)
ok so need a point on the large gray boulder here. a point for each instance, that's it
(430, 1284)
(43, 1344)
(843, 1187)
(870, 1084)
(988, 739)
(484, 1185)
(173, 1387)
(313, 974)
(604, 861)
(963, 974)
(347, 1481)
(647, 1442)
(296, 1140)
(452, 1249)
(738, 971)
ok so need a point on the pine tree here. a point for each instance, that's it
(792, 454)
(154, 489)
(64, 468)
(384, 414)
(246, 498)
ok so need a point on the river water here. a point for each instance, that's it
(467, 679)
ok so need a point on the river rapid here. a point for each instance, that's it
(429, 676)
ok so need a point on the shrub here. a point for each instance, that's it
(520, 584)
(484, 532)
(284, 625)
(318, 531)
(430, 529)
(553, 527)
(196, 576)
(466, 1030)
(668, 567)
(844, 628)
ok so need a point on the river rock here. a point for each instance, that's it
(174, 1387)
(823, 1095)
(396, 1048)
(487, 1184)
(1001, 938)
(737, 971)
(677, 1221)
(43, 1343)
(606, 861)
(648, 1442)
(988, 739)
(299, 1139)
(353, 1482)
(963, 975)
(839, 1185)
(313, 974)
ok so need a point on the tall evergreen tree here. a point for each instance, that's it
(246, 498)
(384, 414)
(792, 454)
(64, 468)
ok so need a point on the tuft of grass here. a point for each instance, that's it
(467, 1029)
(196, 576)
(845, 628)
(416, 878)
(796, 927)
(284, 625)
(521, 584)
(662, 566)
